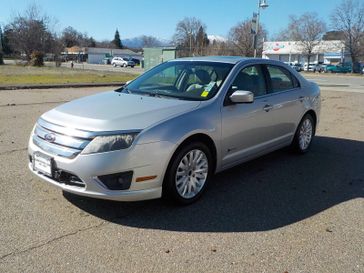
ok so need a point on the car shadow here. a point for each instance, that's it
(273, 191)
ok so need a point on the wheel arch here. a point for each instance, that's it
(197, 137)
(313, 114)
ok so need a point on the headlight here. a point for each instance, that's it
(102, 144)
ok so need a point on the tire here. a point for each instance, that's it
(304, 135)
(125, 65)
(186, 186)
(114, 64)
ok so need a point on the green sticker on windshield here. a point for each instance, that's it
(210, 86)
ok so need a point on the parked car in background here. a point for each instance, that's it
(307, 66)
(124, 62)
(166, 133)
(340, 68)
(298, 67)
(313, 67)
(136, 61)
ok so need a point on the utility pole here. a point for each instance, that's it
(262, 4)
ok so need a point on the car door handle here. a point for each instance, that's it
(268, 107)
(301, 98)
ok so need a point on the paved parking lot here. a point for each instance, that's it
(279, 213)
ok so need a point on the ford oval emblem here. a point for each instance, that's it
(50, 137)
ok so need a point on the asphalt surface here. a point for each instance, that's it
(338, 82)
(278, 213)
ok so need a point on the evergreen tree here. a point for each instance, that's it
(91, 42)
(6, 48)
(117, 42)
(1, 46)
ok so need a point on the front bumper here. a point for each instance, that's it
(144, 160)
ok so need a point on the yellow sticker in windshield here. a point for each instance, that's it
(205, 94)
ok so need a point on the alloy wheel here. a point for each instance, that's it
(191, 174)
(305, 134)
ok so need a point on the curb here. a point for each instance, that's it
(48, 86)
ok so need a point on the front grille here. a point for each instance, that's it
(59, 140)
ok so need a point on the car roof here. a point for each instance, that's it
(220, 59)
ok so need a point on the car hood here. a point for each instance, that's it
(110, 111)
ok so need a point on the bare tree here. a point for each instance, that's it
(242, 38)
(348, 18)
(71, 37)
(30, 32)
(307, 30)
(282, 35)
(186, 33)
(149, 41)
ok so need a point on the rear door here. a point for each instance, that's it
(285, 100)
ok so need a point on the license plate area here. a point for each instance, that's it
(43, 164)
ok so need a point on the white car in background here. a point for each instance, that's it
(122, 62)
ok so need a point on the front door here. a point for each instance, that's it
(246, 127)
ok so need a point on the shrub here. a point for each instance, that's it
(1, 58)
(36, 59)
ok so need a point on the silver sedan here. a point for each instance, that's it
(166, 133)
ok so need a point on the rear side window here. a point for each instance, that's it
(281, 79)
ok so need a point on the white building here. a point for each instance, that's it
(292, 51)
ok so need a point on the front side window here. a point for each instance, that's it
(250, 79)
(190, 80)
(281, 79)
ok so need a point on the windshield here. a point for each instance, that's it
(187, 80)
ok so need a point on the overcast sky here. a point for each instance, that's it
(159, 17)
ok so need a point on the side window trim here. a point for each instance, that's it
(268, 83)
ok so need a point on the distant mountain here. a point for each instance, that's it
(216, 38)
(137, 42)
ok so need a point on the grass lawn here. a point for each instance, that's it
(19, 75)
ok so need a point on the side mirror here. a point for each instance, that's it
(241, 96)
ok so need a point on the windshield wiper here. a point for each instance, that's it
(161, 93)
(123, 89)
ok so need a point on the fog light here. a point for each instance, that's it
(117, 181)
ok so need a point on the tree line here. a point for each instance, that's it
(308, 30)
(31, 34)
(347, 25)
(191, 39)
